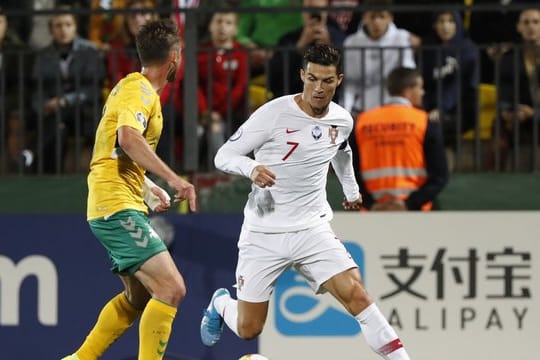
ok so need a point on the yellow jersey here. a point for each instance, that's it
(115, 181)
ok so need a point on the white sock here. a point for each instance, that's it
(227, 307)
(379, 335)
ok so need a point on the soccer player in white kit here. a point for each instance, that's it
(294, 138)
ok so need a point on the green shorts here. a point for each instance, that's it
(129, 239)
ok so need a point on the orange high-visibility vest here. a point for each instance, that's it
(391, 143)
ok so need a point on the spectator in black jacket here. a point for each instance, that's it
(520, 75)
(68, 76)
(450, 64)
(493, 28)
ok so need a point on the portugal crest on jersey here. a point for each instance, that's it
(333, 133)
(316, 132)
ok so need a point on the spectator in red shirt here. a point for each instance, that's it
(223, 79)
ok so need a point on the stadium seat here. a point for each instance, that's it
(488, 105)
(258, 92)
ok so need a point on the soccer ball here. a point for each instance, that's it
(253, 357)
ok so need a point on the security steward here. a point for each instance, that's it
(400, 159)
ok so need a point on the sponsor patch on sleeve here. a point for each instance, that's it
(141, 119)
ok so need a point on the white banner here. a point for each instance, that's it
(455, 285)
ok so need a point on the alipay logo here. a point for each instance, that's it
(299, 312)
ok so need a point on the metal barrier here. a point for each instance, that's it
(34, 139)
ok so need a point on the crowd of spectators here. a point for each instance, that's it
(71, 59)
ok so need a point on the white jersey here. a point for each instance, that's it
(298, 149)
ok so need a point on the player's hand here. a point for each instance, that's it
(184, 191)
(352, 205)
(262, 176)
(165, 202)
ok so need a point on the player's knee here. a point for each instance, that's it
(178, 293)
(249, 330)
(172, 293)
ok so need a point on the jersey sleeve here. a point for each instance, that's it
(232, 156)
(343, 167)
(136, 106)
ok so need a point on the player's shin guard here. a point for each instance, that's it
(115, 318)
(379, 335)
(155, 329)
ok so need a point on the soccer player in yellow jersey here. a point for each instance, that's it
(124, 150)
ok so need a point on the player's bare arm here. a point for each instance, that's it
(263, 176)
(136, 147)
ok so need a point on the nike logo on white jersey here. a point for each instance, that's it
(290, 131)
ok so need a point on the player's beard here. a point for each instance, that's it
(171, 75)
(319, 110)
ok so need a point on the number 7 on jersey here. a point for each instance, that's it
(294, 145)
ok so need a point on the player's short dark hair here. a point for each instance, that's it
(322, 54)
(400, 79)
(155, 41)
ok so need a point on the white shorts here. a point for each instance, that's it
(316, 253)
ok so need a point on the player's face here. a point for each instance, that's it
(529, 26)
(63, 29)
(320, 83)
(174, 65)
(445, 26)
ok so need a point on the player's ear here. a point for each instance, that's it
(302, 74)
(339, 79)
